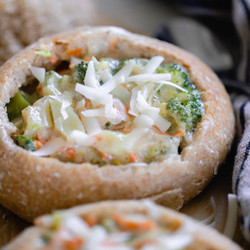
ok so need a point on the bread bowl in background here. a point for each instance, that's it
(119, 225)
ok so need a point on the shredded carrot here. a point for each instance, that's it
(86, 59)
(74, 52)
(74, 244)
(105, 156)
(38, 144)
(98, 138)
(175, 225)
(91, 220)
(88, 103)
(158, 131)
(113, 44)
(127, 128)
(133, 225)
(134, 157)
(177, 134)
(127, 109)
(125, 86)
(39, 89)
(53, 59)
(40, 138)
(71, 152)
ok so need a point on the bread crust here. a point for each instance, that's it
(202, 234)
(31, 186)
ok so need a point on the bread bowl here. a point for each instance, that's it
(119, 225)
(32, 185)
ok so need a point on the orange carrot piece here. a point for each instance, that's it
(86, 59)
(74, 52)
(39, 138)
(53, 59)
(133, 225)
(88, 104)
(125, 86)
(127, 128)
(98, 138)
(133, 157)
(74, 244)
(71, 152)
(91, 220)
(105, 156)
(158, 131)
(39, 89)
(177, 134)
(113, 44)
(38, 144)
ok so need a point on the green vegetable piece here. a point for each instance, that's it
(44, 51)
(107, 125)
(16, 105)
(178, 75)
(109, 225)
(47, 236)
(188, 110)
(25, 143)
(57, 220)
(81, 69)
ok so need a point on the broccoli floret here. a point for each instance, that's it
(178, 75)
(25, 142)
(80, 70)
(185, 109)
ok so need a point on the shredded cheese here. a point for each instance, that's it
(232, 216)
(90, 77)
(120, 76)
(50, 147)
(171, 84)
(142, 78)
(38, 73)
(153, 64)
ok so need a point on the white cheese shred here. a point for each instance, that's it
(49, 148)
(66, 101)
(153, 64)
(81, 138)
(90, 77)
(210, 220)
(38, 73)
(171, 84)
(118, 78)
(232, 215)
(142, 78)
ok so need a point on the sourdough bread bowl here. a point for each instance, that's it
(119, 225)
(31, 185)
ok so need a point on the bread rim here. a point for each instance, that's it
(202, 234)
(31, 186)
